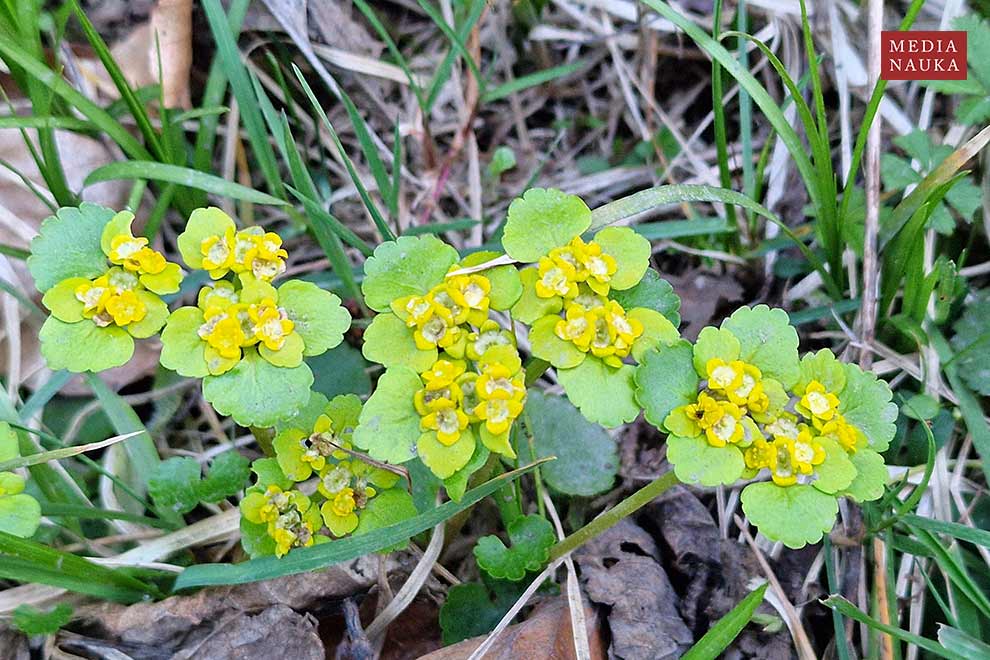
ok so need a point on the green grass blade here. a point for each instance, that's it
(393, 202)
(718, 108)
(183, 176)
(969, 404)
(455, 40)
(955, 570)
(34, 121)
(352, 547)
(322, 217)
(58, 454)
(956, 530)
(393, 49)
(442, 74)
(369, 149)
(92, 513)
(726, 629)
(531, 80)
(15, 252)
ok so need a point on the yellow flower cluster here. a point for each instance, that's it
(600, 326)
(563, 271)
(439, 316)
(345, 485)
(791, 452)
(291, 518)
(113, 298)
(232, 325)
(135, 256)
(250, 250)
(726, 409)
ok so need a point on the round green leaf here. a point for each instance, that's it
(603, 394)
(695, 461)
(410, 265)
(921, 407)
(530, 306)
(587, 460)
(290, 355)
(306, 418)
(182, 349)
(866, 403)
(84, 346)
(836, 471)
(61, 300)
(541, 220)
(320, 319)
(652, 292)
(444, 460)
(341, 370)
(768, 340)
(714, 343)
(795, 515)
(156, 313)
(530, 537)
(631, 253)
(389, 424)
(389, 342)
(386, 508)
(871, 476)
(506, 285)
(500, 444)
(657, 330)
(119, 224)
(824, 367)
(20, 515)
(202, 224)
(257, 393)
(68, 245)
(665, 379)
(546, 345)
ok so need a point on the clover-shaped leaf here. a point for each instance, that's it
(652, 292)
(84, 346)
(546, 345)
(866, 403)
(972, 344)
(666, 379)
(696, 461)
(389, 424)
(541, 220)
(530, 540)
(824, 367)
(506, 285)
(795, 515)
(473, 608)
(176, 484)
(20, 514)
(68, 245)
(631, 253)
(389, 342)
(319, 318)
(410, 265)
(767, 340)
(837, 471)
(604, 395)
(257, 393)
(871, 476)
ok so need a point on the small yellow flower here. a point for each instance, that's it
(270, 324)
(577, 327)
(450, 304)
(474, 290)
(782, 467)
(603, 338)
(498, 414)
(125, 307)
(93, 296)
(600, 268)
(843, 432)
(784, 426)
(704, 412)
(626, 330)
(488, 335)
(220, 295)
(727, 429)
(588, 299)
(150, 261)
(429, 400)
(807, 452)
(436, 332)
(224, 333)
(748, 377)
(218, 253)
(818, 403)
(265, 258)
(124, 250)
(416, 310)
(759, 454)
(497, 382)
(724, 376)
(448, 421)
(443, 373)
(343, 503)
(555, 278)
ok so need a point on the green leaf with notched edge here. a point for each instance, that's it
(695, 461)
(257, 393)
(226, 477)
(586, 457)
(604, 395)
(177, 485)
(386, 508)
(652, 292)
(409, 265)
(541, 220)
(268, 473)
(972, 345)
(84, 346)
(61, 300)
(824, 367)
(203, 223)
(837, 471)
(389, 424)
(456, 484)
(870, 479)
(866, 403)
(319, 318)
(546, 345)
(530, 306)
(32, 621)
(767, 340)
(68, 245)
(665, 379)
(341, 370)
(714, 343)
(445, 460)
(657, 330)
(473, 608)
(183, 351)
(389, 342)
(631, 253)
(795, 515)
(530, 539)
(506, 285)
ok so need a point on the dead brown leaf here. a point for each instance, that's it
(171, 22)
(278, 632)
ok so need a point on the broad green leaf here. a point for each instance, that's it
(530, 538)
(84, 346)
(503, 160)
(696, 461)
(389, 424)
(767, 340)
(61, 300)
(795, 515)
(866, 404)
(530, 306)
(921, 407)
(409, 265)
(546, 345)
(541, 220)
(972, 344)
(445, 460)
(20, 514)
(32, 621)
(657, 330)
(953, 639)
(500, 444)
(290, 355)
(714, 343)
(386, 508)
(586, 457)
(319, 318)
(174, 483)
(837, 471)
(631, 253)
(506, 285)
(257, 393)
(68, 245)
(183, 351)
(824, 367)
(652, 292)
(226, 477)
(268, 473)
(341, 370)
(870, 479)
(389, 342)
(604, 395)
(456, 484)
(119, 224)
(255, 539)
(665, 379)
(202, 224)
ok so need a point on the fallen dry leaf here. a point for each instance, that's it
(278, 632)
(171, 22)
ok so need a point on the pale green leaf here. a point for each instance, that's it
(767, 340)
(652, 292)
(456, 484)
(696, 461)
(795, 515)
(506, 285)
(202, 224)
(389, 342)
(257, 393)
(714, 343)
(386, 508)
(837, 471)
(546, 345)
(541, 220)
(61, 300)
(871, 476)
(182, 349)
(409, 265)
(20, 515)
(319, 317)
(824, 367)
(389, 424)
(530, 306)
(665, 379)
(84, 346)
(444, 460)
(530, 539)
(657, 330)
(604, 395)
(866, 403)
(68, 245)
(631, 253)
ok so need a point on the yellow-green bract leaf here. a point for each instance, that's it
(824, 367)
(61, 300)
(68, 245)
(255, 539)
(182, 349)
(530, 539)
(795, 515)
(389, 424)
(836, 471)
(410, 265)
(866, 403)
(20, 515)
(652, 292)
(506, 285)
(657, 330)
(8, 443)
(456, 484)
(586, 461)
(695, 461)
(530, 306)
(871, 476)
(603, 394)
(320, 319)
(500, 443)
(119, 225)
(84, 346)
(767, 340)
(541, 220)
(155, 315)
(665, 379)
(444, 460)
(389, 342)
(202, 224)
(546, 345)
(714, 343)
(631, 253)
(163, 283)
(290, 355)
(257, 393)
(386, 508)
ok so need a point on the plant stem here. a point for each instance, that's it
(626, 507)
(265, 436)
